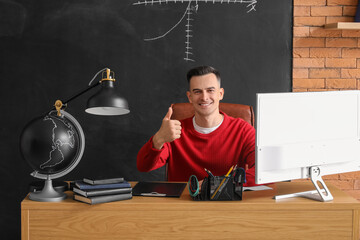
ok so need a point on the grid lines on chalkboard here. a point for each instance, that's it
(191, 9)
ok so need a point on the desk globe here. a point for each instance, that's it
(52, 145)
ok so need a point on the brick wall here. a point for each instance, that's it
(327, 60)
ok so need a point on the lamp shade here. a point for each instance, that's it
(107, 102)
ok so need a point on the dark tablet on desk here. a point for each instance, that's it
(158, 189)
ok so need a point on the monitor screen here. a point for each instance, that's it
(297, 131)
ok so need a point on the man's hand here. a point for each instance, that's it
(168, 132)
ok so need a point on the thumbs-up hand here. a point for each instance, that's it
(168, 132)
(168, 114)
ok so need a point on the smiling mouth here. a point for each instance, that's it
(205, 104)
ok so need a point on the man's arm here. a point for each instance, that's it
(156, 151)
(150, 158)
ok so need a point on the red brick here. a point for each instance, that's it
(358, 84)
(301, 31)
(341, 83)
(350, 33)
(356, 184)
(349, 10)
(324, 73)
(350, 52)
(341, 42)
(339, 19)
(301, 52)
(350, 175)
(301, 11)
(300, 73)
(342, 2)
(326, 11)
(347, 184)
(341, 62)
(350, 73)
(332, 177)
(322, 32)
(300, 90)
(320, 90)
(325, 52)
(309, 83)
(309, 21)
(301, 180)
(309, 2)
(308, 42)
(308, 62)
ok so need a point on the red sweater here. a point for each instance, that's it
(233, 142)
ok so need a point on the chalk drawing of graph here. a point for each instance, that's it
(188, 17)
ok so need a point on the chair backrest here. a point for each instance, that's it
(186, 110)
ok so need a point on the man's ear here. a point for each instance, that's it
(221, 92)
(188, 96)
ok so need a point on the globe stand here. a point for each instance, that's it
(48, 193)
(60, 186)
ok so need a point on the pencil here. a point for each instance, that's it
(222, 182)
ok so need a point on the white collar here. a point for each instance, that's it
(205, 130)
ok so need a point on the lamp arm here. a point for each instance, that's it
(81, 92)
(59, 104)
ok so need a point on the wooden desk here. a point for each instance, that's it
(258, 216)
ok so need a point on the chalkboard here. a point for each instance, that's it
(50, 49)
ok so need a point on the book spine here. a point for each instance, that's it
(85, 186)
(103, 181)
(110, 198)
(108, 192)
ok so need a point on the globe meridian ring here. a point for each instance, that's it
(79, 153)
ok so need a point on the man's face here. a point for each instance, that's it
(205, 94)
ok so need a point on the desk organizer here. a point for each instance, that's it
(222, 188)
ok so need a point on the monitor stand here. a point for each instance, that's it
(319, 194)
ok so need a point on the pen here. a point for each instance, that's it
(209, 173)
(222, 182)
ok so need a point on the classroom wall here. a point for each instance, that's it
(327, 60)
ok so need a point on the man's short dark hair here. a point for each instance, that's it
(203, 70)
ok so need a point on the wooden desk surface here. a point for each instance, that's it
(257, 216)
(252, 199)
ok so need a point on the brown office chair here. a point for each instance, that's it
(186, 110)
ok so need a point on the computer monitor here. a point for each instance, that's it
(307, 135)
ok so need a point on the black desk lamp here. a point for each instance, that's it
(54, 143)
(106, 101)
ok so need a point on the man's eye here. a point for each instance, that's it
(197, 92)
(211, 90)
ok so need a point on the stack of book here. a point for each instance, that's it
(93, 191)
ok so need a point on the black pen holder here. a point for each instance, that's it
(222, 188)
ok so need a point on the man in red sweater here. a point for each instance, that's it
(210, 139)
